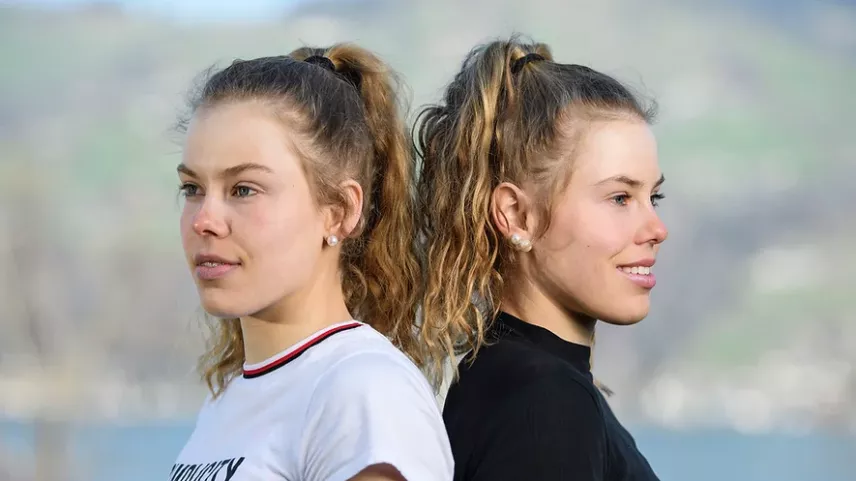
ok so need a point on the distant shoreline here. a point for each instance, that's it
(668, 404)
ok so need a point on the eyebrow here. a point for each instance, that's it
(229, 172)
(632, 183)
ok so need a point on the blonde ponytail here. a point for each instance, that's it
(502, 118)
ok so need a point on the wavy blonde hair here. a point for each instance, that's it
(510, 114)
(349, 116)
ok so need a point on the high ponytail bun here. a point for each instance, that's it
(384, 272)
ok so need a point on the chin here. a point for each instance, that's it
(223, 305)
(626, 313)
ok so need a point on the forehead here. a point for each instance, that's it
(226, 135)
(617, 147)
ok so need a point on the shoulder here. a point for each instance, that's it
(508, 373)
(369, 363)
(516, 413)
(512, 390)
(374, 407)
(373, 386)
(555, 394)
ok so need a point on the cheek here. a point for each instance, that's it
(578, 252)
(284, 234)
(573, 239)
(587, 238)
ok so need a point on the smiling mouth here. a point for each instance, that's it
(639, 275)
(639, 270)
(215, 264)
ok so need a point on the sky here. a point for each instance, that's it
(186, 10)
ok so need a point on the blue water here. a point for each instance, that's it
(146, 452)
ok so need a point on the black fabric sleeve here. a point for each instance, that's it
(552, 430)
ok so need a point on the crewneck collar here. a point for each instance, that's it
(576, 355)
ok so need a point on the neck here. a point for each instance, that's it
(529, 303)
(293, 318)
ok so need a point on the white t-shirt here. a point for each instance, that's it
(325, 409)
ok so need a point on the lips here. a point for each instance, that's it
(639, 273)
(211, 267)
(637, 270)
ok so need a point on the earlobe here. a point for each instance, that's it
(344, 219)
(511, 213)
(519, 243)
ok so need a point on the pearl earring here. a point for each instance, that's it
(523, 245)
(332, 240)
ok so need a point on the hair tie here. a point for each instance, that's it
(522, 61)
(351, 76)
(321, 61)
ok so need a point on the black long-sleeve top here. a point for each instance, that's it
(527, 409)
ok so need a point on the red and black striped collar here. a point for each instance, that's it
(295, 352)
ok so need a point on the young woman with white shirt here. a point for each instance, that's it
(297, 225)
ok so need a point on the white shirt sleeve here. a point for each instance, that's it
(374, 408)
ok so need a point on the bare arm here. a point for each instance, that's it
(379, 472)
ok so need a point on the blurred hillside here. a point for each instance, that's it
(752, 323)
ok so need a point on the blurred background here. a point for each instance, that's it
(743, 371)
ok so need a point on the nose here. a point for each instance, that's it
(210, 219)
(653, 231)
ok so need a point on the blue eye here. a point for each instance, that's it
(188, 190)
(620, 199)
(244, 191)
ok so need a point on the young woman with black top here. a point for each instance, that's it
(539, 186)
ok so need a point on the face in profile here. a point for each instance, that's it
(597, 257)
(251, 231)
